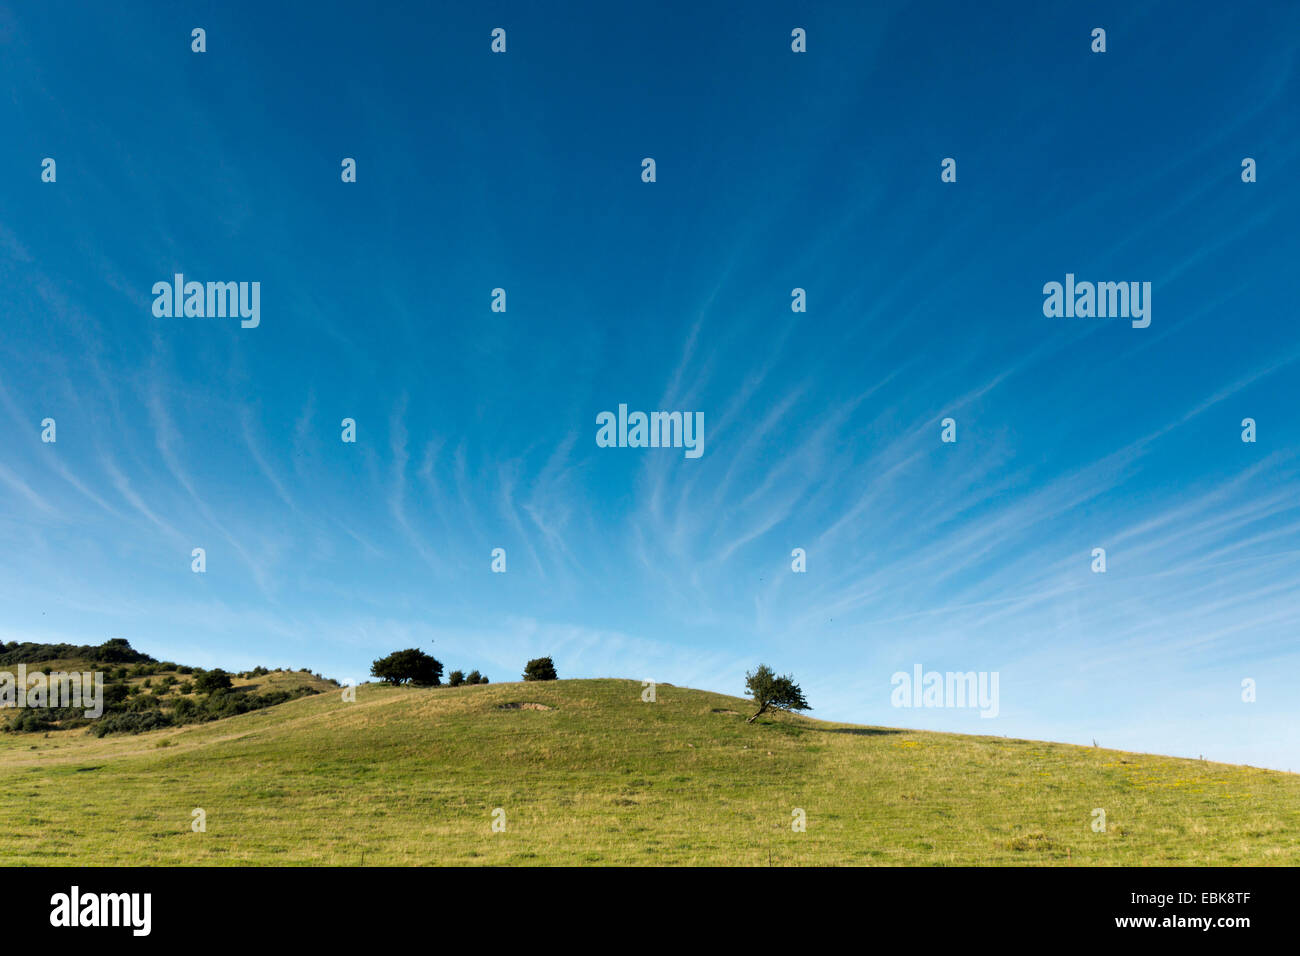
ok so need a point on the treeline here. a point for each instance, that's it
(141, 693)
(413, 666)
(115, 651)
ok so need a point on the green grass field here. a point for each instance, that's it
(412, 776)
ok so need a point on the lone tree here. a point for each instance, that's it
(540, 668)
(409, 666)
(772, 692)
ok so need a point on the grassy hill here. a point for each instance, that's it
(591, 774)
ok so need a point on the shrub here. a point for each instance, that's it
(29, 721)
(131, 723)
(540, 668)
(142, 702)
(456, 678)
(211, 681)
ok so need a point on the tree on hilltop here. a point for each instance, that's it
(410, 666)
(540, 668)
(773, 693)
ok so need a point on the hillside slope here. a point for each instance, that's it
(413, 776)
(138, 692)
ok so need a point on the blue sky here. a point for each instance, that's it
(775, 170)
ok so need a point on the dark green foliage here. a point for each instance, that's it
(189, 710)
(455, 678)
(540, 668)
(770, 691)
(210, 681)
(142, 702)
(115, 651)
(474, 677)
(223, 703)
(134, 723)
(131, 708)
(30, 721)
(410, 666)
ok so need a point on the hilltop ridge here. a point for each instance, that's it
(585, 771)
